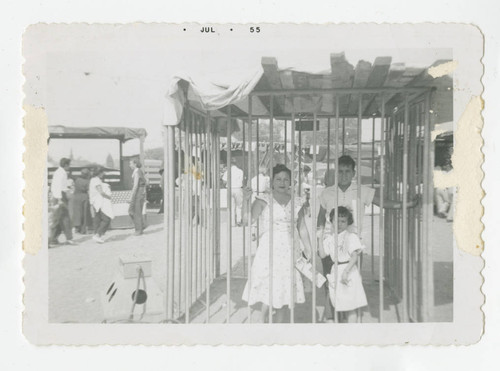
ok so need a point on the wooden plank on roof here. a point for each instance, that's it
(361, 74)
(341, 75)
(398, 77)
(377, 78)
(271, 80)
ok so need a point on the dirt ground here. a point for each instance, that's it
(80, 276)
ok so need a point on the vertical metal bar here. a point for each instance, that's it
(249, 206)
(246, 181)
(427, 276)
(286, 138)
(185, 183)
(229, 218)
(404, 211)
(271, 207)
(178, 260)
(299, 159)
(217, 208)
(292, 217)
(314, 229)
(343, 136)
(328, 145)
(336, 204)
(170, 193)
(372, 227)
(359, 204)
(195, 176)
(208, 207)
(381, 214)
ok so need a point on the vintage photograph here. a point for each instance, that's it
(252, 175)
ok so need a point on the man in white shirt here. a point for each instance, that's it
(347, 193)
(260, 182)
(59, 218)
(236, 190)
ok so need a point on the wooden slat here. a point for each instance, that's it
(342, 73)
(361, 75)
(272, 77)
(398, 77)
(378, 75)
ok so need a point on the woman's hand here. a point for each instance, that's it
(345, 278)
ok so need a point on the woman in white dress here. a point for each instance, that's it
(257, 287)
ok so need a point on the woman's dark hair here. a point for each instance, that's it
(281, 168)
(98, 170)
(343, 212)
(137, 163)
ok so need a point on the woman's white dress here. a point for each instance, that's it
(352, 295)
(257, 287)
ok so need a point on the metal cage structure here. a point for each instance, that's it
(207, 252)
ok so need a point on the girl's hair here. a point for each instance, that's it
(137, 162)
(98, 170)
(343, 212)
(281, 168)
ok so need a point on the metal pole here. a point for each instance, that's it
(405, 211)
(217, 209)
(372, 206)
(246, 181)
(186, 183)
(343, 136)
(271, 207)
(314, 229)
(427, 216)
(196, 174)
(336, 204)
(328, 146)
(299, 157)
(359, 204)
(286, 138)
(229, 218)
(208, 207)
(292, 201)
(381, 213)
(178, 261)
(249, 206)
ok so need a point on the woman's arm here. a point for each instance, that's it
(354, 258)
(101, 192)
(256, 208)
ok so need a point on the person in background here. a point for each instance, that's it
(81, 211)
(236, 191)
(100, 199)
(59, 219)
(138, 196)
(162, 185)
(260, 182)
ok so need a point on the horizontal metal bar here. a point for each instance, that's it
(293, 92)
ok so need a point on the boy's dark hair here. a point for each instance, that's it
(64, 162)
(347, 160)
(344, 212)
(279, 169)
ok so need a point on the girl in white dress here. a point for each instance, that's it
(257, 287)
(346, 289)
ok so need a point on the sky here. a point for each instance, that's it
(105, 75)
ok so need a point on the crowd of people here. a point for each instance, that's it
(83, 203)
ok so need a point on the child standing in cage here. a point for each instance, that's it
(346, 288)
